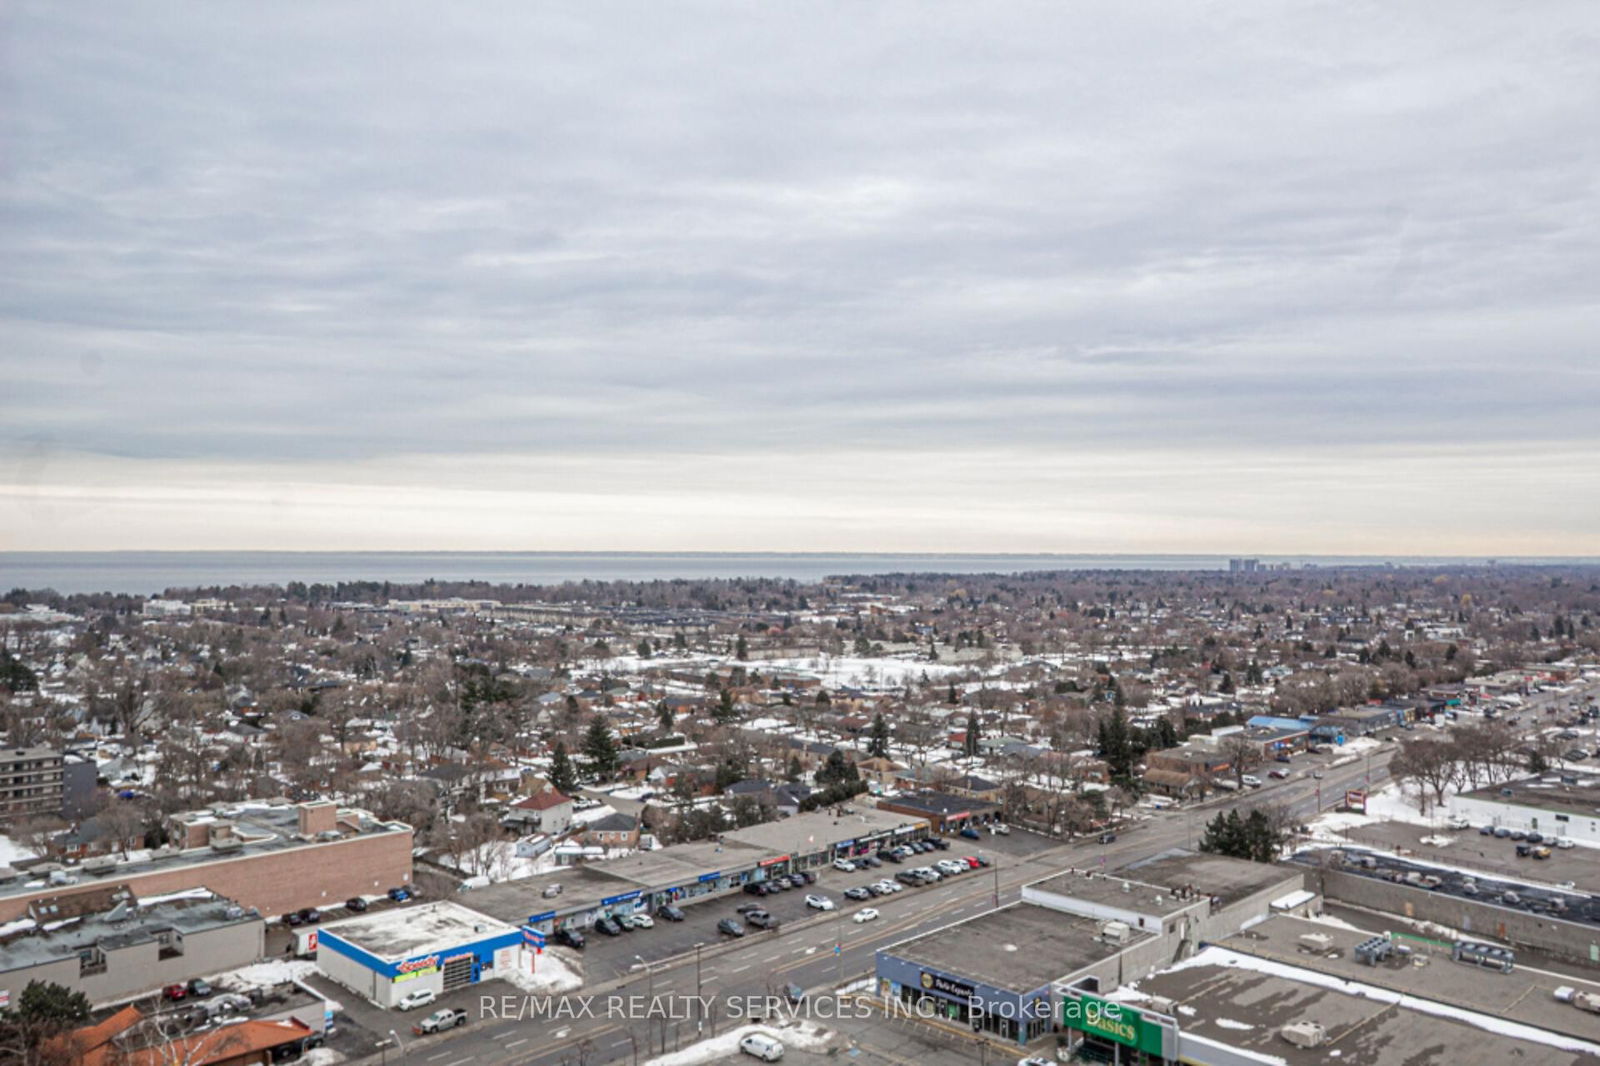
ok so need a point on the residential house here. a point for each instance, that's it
(614, 831)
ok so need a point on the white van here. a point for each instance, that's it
(1252, 780)
(762, 1047)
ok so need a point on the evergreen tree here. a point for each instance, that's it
(970, 744)
(837, 771)
(664, 716)
(796, 771)
(951, 696)
(878, 742)
(563, 776)
(741, 648)
(601, 748)
(725, 712)
(1116, 746)
(644, 648)
(1166, 733)
(1227, 687)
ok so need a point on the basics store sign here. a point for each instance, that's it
(1112, 1021)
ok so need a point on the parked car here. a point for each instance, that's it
(293, 919)
(806, 877)
(1458, 822)
(1518, 834)
(310, 915)
(865, 914)
(1486, 830)
(1002, 828)
(420, 997)
(858, 892)
(641, 921)
(1501, 832)
(1251, 780)
(1563, 843)
(908, 877)
(971, 833)
(1281, 757)
(755, 888)
(570, 937)
(400, 895)
(892, 855)
(199, 987)
(971, 861)
(355, 903)
(1535, 837)
(551, 891)
(891, 886)
(1277, 775)
(1108, 837)
(729, 927)
(175, 992)
(821, 903)
(762, 1047)
(1541, 852)
(761, 920)
(440, 1020)
(869, 861)
(609, 926)
(670, 913)
(982, 861)
(942, 844)
(844, 865)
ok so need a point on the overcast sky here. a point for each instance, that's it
(948, 277)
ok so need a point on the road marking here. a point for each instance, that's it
(460, 1062)
(438, 1055)
(516, 1043)
(741, 969)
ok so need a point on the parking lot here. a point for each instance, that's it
(609, 956)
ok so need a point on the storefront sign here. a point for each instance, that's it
(532, 938)
(1112, 1021)
(545, 917)
(710, 877)
(625, 897)
(932, 982)
(413, 965)
(844, 843)
(773, 862)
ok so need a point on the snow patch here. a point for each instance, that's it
(799, 1035)
(552, 974)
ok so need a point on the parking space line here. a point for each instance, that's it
(517, 1043)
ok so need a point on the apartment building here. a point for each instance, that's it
(30, 783)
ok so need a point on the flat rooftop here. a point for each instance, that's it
(397, 934)
(1229, 879)
(1547, 793)
(1124, 891)
(262, 826)
(1527, 995)
(581, 887)
(820, 829)
(1020, 947)
(1238, 1005)
(29, 944)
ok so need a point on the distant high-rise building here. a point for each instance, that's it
(1243, 566)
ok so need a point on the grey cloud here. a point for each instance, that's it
(353, 230)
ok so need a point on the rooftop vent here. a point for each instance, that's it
(1304, 1034)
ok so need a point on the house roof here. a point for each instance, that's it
(542, 801)
(615, 823)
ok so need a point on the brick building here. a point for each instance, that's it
(273, 855)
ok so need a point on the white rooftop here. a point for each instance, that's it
(398, 934)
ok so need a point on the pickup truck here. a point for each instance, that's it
(440, 1020)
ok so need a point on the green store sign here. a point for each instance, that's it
(1113, 1021)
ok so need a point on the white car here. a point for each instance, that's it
(890, 887)
(821, 903)
(412, 1000)
(762, 1047)
(950, 866)
(865, 914)
(1002, 828)
(1564, 843)
(928, 872)
(1459, 822)
(845, 865)
(640, 921)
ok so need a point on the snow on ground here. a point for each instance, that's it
(498, 861)
(844, 671)
(264, 974)
(1229, 1023)
(11, 852)
(1386, 804)
(799, 1035)
(320, 1056)
(1215, 956)
(551, 974)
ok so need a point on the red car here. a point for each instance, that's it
(971, 861)
(175, 992)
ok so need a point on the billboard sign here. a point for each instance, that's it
(1116, 1022)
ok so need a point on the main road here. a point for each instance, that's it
(605, 1021)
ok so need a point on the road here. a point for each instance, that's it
(600, 1025)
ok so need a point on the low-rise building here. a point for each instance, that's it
(112, 945)
(438, 946)
(946, 812)
(273, 855)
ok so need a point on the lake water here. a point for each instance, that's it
(143, 573)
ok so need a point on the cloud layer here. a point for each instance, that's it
(1158, 277)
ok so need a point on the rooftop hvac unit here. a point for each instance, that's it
(99, 865)
(227, 844)
(1316, 942)
(1163, 1005)
(1116, 932)
(1304, 1034)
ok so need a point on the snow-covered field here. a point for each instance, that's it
(799, 1035)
